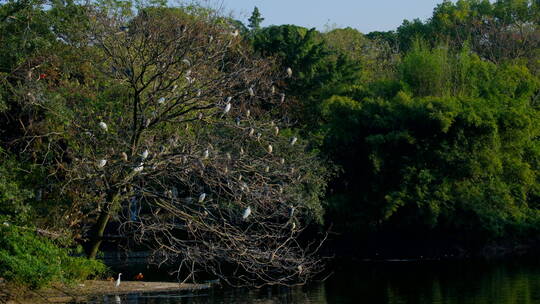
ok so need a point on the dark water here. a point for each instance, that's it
(510, 282)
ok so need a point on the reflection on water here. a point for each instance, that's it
(383, 282)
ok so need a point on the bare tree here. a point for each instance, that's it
(175, 140)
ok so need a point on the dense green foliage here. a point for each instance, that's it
(36, 262)
(437, 131)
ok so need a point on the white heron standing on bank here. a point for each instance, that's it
(118, 280)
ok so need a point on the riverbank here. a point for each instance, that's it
(83, 291)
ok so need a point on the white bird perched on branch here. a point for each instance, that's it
(267, 169)
(282, 160)
(144, 155)
(227, 108)
(103, 126)
(289, 72)
(202, 197)
(293, 141)
(139, 168)
(102, 163)
(247, 212)
(248, 112)
(206, 153)
(270, 149)
(276, 130)
(124, 156)
(251, 131)
(118, 281)
(251, 92)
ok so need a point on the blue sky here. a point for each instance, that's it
(364, 15)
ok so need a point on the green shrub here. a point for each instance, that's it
(35, 262)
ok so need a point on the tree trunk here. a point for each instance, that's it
(97, 236)
(101, 224)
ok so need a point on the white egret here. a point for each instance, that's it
(251, 131)
(248, 113)
(267, 169)
(251, 92)
(293, 225)
(282, 160)
(202, 197)
(289, 72)
(144, 155)
(227, 108)
(293, 140)
(102, 163)
(276, 130)
(206, 153)
(139, 168)
(247, 212)
(124, 156)
(229, 99)
(118, 281)
(270, 149)
(103, 126)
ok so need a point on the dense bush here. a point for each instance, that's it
(35, 262)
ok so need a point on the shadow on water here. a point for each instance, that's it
(511, 282)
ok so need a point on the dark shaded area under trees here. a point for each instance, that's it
(229, 151)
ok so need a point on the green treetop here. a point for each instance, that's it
(255, 20)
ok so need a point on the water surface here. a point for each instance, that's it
(391, 282)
